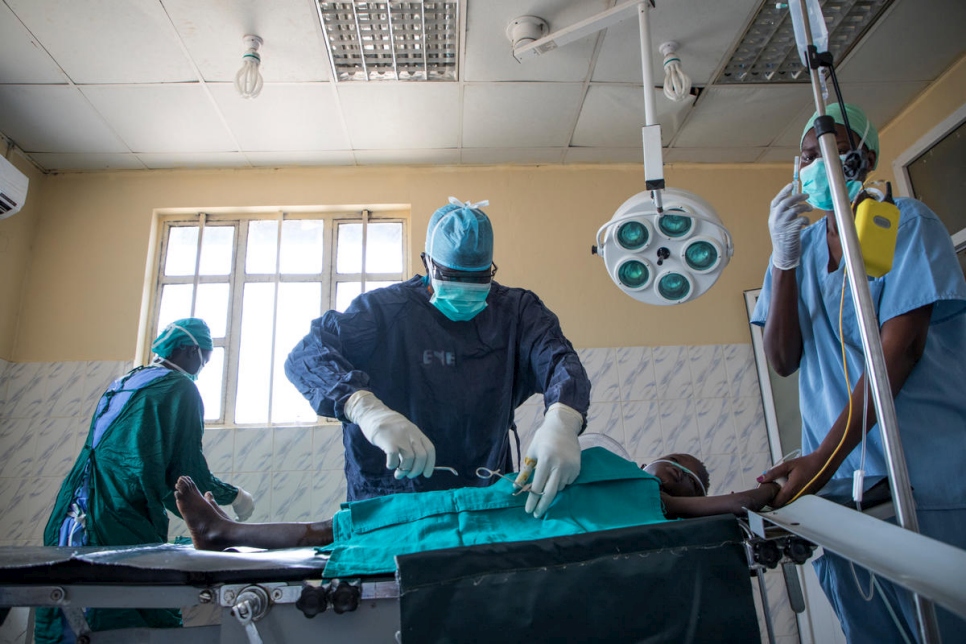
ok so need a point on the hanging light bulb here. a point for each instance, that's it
(248, 81)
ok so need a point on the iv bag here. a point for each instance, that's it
(816, 22)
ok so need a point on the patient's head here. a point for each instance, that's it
(680, 475)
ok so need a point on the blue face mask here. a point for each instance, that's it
(459, 301)
(815, 185)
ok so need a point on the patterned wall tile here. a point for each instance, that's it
(679, 427)
(25, 393)
(293, 449)
(635, 366)
(292, 496)
(328, 450)
(18, 458)
(750, 423)
(725, 473)
(56, 446)
(716, 427)
(601, 366)
(672, 373)
(64, 396)
(98, 376)
(253, 450)
(218, 446)
(708, 371)
(3, 384)
(605, 418)
(28, 502)
(644, 439)
(742, 372)
(328, 493)
(260, 486)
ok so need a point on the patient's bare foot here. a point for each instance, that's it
(208, 524)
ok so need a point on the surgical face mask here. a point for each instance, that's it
(192, 376)
(459, 301)
(815, 185)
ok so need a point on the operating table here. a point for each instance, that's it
(670, 582)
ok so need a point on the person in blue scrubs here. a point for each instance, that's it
(920, 306)
(430, 372)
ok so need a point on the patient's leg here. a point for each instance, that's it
(211, 529)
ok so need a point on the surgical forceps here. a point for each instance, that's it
(528, 465)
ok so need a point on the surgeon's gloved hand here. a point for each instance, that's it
(785, 223)
(243, 505)
(407, 449)
(556, 451)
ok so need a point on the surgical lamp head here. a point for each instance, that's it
(665, 255)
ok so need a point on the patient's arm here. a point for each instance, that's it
(736, 503)
(211, 529)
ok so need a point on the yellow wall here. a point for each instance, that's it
(83, 292)
(16, 242)
(940, 99)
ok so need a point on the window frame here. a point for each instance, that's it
(328, 279)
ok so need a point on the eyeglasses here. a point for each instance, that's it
(450, 275)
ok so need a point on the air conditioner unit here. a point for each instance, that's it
(13, 189)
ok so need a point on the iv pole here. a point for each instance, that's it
(868, 329)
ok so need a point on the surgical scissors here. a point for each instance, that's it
(486, 473)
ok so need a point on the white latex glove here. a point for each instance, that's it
(407, 449)
(556, 451)
(243, 505)
(785, 223)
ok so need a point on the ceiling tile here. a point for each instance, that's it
(613, 115)
(87, 161)
(300, 158)
(395, 115)
(293, 50)
(507, 115)
(705, 32)
(498, 156)
(162, 118)
(107, 41)
(606, 155)
(738, 117)
(408, 157)
(712, 155)
(916, 41)
(54, 118)
(171, 161)
(284, 117)
(489, 53)
(21, 59)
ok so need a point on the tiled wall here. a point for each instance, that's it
(703, 400)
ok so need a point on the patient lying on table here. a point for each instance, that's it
(610, 493)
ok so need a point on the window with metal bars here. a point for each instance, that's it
(259, 281)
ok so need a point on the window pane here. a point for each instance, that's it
(302, 248)
(384, 248)
(371, 286)
(212, 307)
(216, 250)
(349, 253)
(209, 383)
(255, 353)
(175, 303)
(345, 292)
(182, 250)
(262, 246)
(298, 305)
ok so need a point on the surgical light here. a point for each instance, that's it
(668, 257)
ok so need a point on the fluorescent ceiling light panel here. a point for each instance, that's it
(767, 52)
(411, 41)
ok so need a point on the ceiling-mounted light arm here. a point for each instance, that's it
(651, 133)
(576, 31)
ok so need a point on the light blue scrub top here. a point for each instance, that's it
(931, 407)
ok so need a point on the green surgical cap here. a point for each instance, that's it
(460, 237)
(183, 332)
(858, 122)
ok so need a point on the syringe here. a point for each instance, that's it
(796, 183)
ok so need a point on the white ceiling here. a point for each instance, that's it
(136, 84)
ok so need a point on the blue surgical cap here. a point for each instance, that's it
(180, 333)
(859, 123)
(460, 237)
